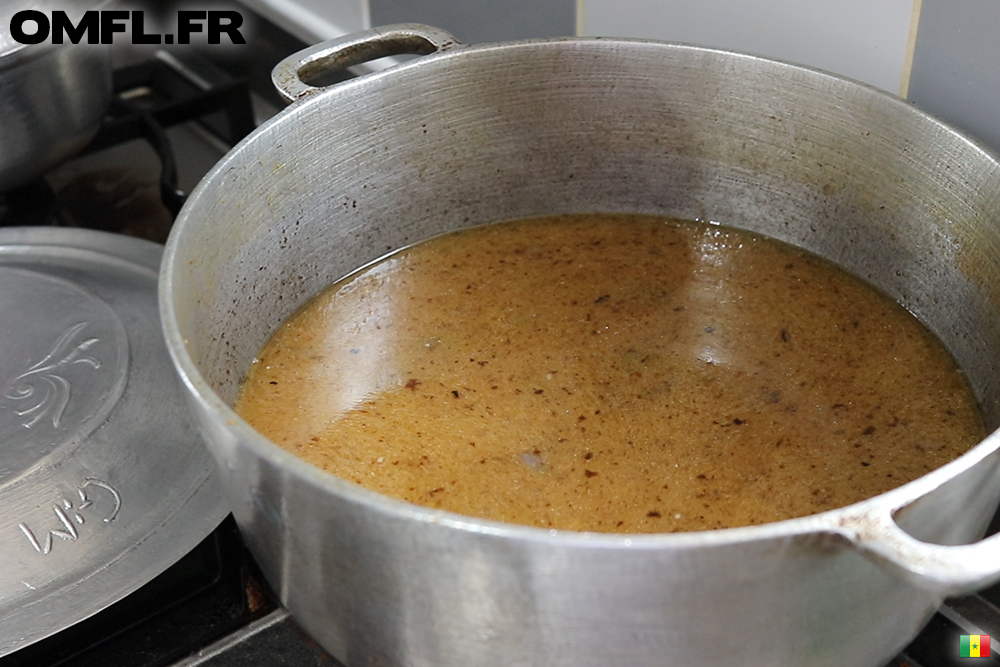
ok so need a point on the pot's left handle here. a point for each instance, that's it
(292, 73)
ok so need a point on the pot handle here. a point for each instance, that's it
(291, 74)
(945, 569)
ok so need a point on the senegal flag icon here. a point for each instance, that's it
(974, 646)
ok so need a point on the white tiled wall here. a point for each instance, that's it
(861, 39)
(942, 54)
(478, 21)
(956, 65)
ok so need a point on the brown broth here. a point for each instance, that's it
(612, 373)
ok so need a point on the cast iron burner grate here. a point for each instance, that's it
(149, 98)
(168, 90)
(213, 591)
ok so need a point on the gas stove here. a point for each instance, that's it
(175, 114)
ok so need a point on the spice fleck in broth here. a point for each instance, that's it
(612, 373)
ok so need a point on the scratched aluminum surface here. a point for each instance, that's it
(477, 134)
(103, 481)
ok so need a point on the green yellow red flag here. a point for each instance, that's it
(974, 646)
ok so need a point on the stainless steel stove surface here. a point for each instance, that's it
(174, 118)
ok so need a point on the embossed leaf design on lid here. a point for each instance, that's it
(42, 388)
(63, 365)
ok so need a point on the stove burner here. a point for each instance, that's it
(170, 193)
(173, 90)
(210, 593)
(115, 199)
(33, 204)
(167, 90)
(117, 184)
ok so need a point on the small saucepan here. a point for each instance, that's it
(53, 97)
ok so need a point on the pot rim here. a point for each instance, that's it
(842, 521)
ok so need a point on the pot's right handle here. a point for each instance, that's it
(291, 74)
(945, 569)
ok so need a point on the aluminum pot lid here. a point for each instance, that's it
(104, 479)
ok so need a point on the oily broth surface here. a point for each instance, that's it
(612, 373)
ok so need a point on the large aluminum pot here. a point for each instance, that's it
(473, 134)
(53, 97)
